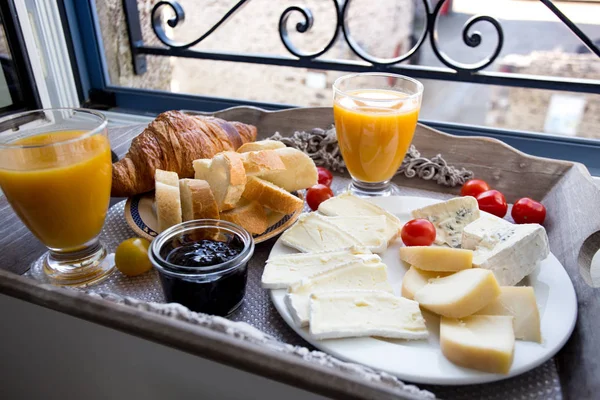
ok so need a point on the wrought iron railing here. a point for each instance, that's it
(455, 71)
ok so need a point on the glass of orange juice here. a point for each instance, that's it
(56, 171)
(375, 119)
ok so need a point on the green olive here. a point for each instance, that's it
(131, 257)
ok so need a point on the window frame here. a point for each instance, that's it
(81, 26)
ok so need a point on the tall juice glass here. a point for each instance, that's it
(55, 171)
(375, 119)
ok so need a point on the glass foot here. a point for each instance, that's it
(367, 189)
(82, 268)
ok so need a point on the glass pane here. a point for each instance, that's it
(8, 73)
(535, 42)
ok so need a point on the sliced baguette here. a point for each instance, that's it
(197, 200)
(166, 196)
(271, 196)
(226, 177)
(261, 145)
(300, 171)
(250, 216)
(260, 162)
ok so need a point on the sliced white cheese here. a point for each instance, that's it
(359, 274)
(313, 233)
(449, 218)
(283, 270)
(347, 205)
(510, 251)
(415, 279)
(481, 342)
(355, 313)
(460, 294)
(517, 302)
(370, 231)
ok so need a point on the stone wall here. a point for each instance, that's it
(526, 109)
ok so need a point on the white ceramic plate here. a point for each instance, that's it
(422, 361)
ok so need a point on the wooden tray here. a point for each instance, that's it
(573, 219)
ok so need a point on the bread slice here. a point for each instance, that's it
(166, 196)
(271, 196)
(300, 171)
(250, 216)
(273, 217)
(197, 200)
(260, 162)
(261, 145)
(225, 175)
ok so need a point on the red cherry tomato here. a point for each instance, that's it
(527, 211)
(325, 176)
(474, 187)
(418, 232)
(317, 194)
(492, 201)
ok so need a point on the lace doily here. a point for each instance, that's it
(322, 146)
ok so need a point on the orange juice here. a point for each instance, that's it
(61, 190)
(374, 135)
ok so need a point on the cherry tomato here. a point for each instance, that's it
(418, 232)
(325, 176)
(317, 194)
(131, 257)
(474, 187)
(527, 211)
(492, 201)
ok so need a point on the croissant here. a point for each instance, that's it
(171, 142)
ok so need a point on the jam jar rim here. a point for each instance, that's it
(180, 270)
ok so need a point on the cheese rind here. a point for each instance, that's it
(481, 342)
(346, 204)
(519, 303)
(282, 271)
(460, 294)
(369, 230)
(510, 251)
(433, 258)
(415, 279)
(449, 218)
(355, 313)
(312, 233)
(360, 275)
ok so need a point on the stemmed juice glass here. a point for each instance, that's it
(375, 120)
(55, 171)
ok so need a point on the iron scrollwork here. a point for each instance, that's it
(471, 38)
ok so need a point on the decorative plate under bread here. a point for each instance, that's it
(140, 214)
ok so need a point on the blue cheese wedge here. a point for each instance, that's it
(348, 205)
(450, 218)
(370, 231)
(367, 274)
(355, 313)
(313, 233)
(282, 271)
(510, 251)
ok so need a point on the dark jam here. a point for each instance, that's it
(207, 290)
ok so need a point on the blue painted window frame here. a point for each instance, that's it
(96, 91)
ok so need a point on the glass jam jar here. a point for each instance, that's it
(202, 264)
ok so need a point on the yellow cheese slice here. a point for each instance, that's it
(482, 342)
(518, 302)
(460, 294)
(415, 279)
(431, 258)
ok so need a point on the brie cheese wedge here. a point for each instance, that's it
(370, 231)
(282, 271)
(313, 233)
(347, 205)
(449, 218)
(360, 274)
(355, 313)
(510, 251)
